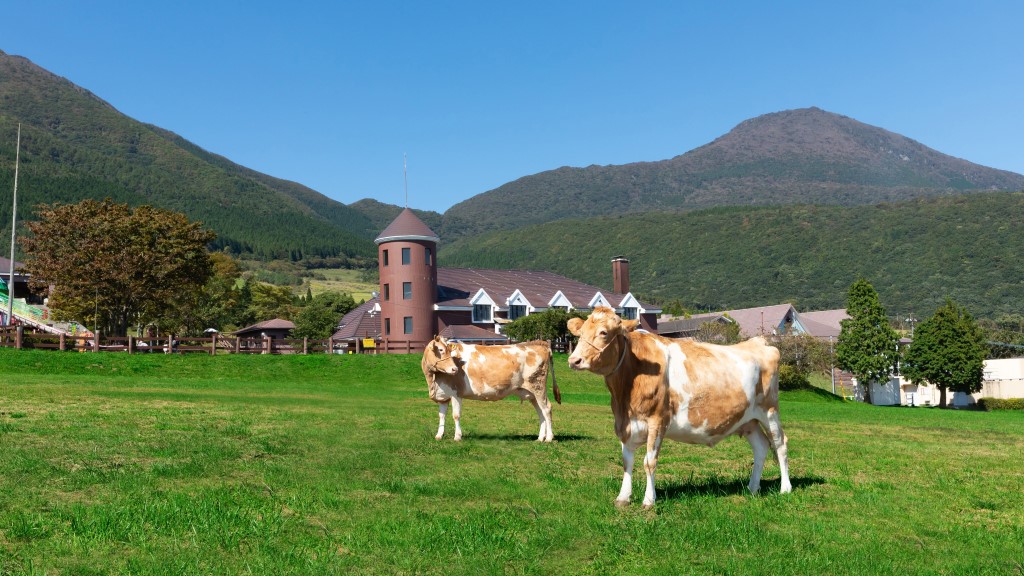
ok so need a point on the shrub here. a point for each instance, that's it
(792, 379)
(990, 404)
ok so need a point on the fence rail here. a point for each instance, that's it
(24, 337)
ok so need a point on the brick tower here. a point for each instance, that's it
(407, 260)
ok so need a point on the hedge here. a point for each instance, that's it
(989, 404)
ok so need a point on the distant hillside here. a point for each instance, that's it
(915, 253)
(806, 156)
(75, 146)
(378, 215)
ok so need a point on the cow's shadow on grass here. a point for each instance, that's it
(717, 487)
(528, 437)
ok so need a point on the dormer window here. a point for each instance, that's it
(630, 313)
(516, 311)
(481, 312)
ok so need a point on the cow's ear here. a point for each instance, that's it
(574, 325)
(630, 325)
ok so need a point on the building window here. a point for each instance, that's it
(406, 255)
(629, 313)
(407, 321)
(516, 311)
(428, 256)
(481, 312)
(385, 257)
(387, 292)
(387, 326)
(406, 290)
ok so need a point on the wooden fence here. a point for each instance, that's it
(21, 337)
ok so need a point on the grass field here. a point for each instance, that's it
(342, 280)
(327, 465)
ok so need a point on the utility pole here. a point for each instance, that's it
(14, 224)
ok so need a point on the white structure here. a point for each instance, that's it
(1004, 378)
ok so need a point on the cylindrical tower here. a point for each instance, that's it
(407, 260)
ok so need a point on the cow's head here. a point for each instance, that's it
(602, 341)
(437, 357)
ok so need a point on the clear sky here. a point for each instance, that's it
(332, 94)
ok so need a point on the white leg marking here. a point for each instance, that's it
(778, 440)
(627, 476)
(759, 443)
(442, 411)
(650, 464)
(457, 416)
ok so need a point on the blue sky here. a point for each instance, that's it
(332, 94)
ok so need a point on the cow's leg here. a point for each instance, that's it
(527, 395)
(754, 434)
(626, 491)
(457, 416)
(442, 411)
(654, 437)
(544, 414)
(779, 443)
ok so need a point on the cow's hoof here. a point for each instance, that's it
(622, 503)
(458, 438)
(438, 437)
(649, 506)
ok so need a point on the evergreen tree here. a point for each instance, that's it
(547, 325)
(948, 351)
(867, 346)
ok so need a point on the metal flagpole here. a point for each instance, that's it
(14, 222)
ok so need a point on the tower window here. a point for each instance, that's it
(406, 290)
(385, 257)
(387, 292)
(408, 324)
(428, 256)
(406, 255)
(387, 326)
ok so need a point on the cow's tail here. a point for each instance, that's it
(551, 369)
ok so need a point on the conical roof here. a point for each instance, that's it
(407, 226)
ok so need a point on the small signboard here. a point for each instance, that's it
(369, 343)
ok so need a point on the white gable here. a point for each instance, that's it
(517, 299)
(481, 297)
(598, 300)
(560, 301)
(630, 302)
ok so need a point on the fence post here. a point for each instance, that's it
(19, 334)
(305, 346)
(213, 344)
(330, 345)
(266, 345)
(62, 344)
(96, 341)
(169, 349)
(131, 344)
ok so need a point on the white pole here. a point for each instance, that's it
(14, 223)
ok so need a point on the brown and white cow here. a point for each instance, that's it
(682, 390)
(457, 371)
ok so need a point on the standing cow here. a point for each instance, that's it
(456, 371)
(682, 390)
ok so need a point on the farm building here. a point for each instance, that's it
(417, 299)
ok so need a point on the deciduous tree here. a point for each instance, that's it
(948, 351)
(319, 317)
(115, 266)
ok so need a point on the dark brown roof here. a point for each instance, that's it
(407, 226)
(360, 323)
(275, 324)
(470, 332)
(456, 286)
(687, 326)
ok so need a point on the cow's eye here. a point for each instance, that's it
(603, 334)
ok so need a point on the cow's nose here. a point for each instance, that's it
(575, 361)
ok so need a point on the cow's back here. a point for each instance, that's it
(493, 372)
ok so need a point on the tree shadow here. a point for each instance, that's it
(528, 437)
(737, 487)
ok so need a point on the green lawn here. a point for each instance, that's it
(327, 465)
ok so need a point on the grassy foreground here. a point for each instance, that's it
(327, 465)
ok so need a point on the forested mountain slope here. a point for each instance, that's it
(806, 156)
(915, 253)
(75, 146)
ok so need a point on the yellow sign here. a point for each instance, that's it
(369, 343)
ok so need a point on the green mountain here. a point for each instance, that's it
(75, 146)
(915, 253)
(378, 215)
(806, 156)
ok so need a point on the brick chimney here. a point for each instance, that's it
(620, 275)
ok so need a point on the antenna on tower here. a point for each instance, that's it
(405, 175)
